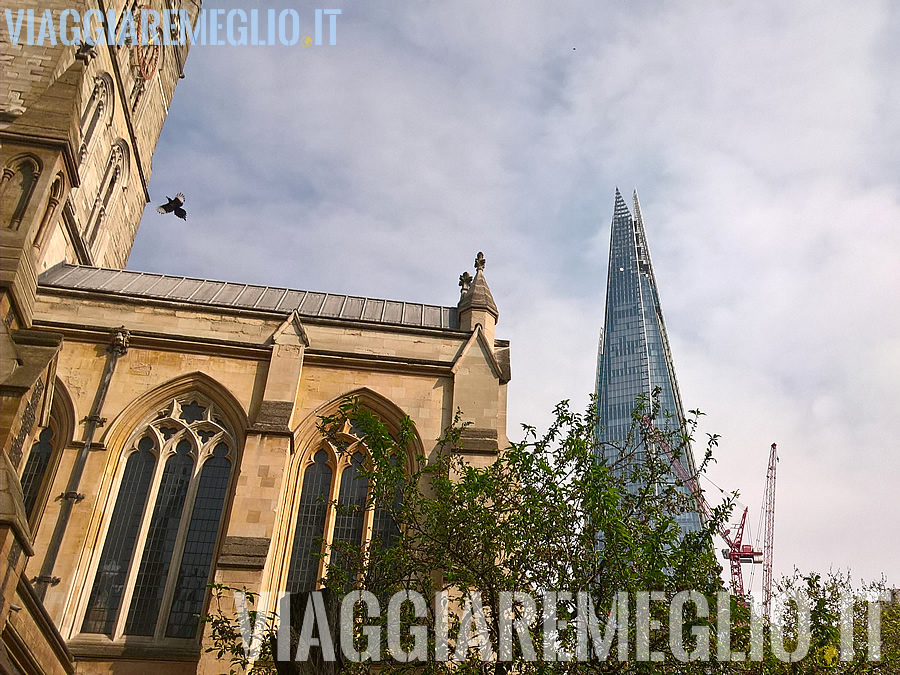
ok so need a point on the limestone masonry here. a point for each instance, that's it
(159, 432)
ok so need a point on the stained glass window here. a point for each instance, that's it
(349, 498)
(35, 468)
(310, 527)
(109, 583)
(196, 560)
(164, 565)
(154, 570)
(349, 519)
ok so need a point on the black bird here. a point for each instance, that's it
(174, 205)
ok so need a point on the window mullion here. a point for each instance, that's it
(329, 521)
(368, 519)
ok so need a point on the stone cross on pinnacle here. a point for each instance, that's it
(465, 280)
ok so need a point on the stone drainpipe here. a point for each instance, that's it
(118, 347)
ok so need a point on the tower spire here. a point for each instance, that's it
(476, 304)
(635, 359)
(621, 208)
(637, 209)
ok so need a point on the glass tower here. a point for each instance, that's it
(634, 356)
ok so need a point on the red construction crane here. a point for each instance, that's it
(737, 552)
(768, 547)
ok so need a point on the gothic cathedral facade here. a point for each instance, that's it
(159, 433)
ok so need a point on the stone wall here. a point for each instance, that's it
(255, 359)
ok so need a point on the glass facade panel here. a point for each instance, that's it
(634, 356)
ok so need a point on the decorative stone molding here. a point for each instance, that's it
(465, 281)
(475, 292)
(86, 53)
(119, 341)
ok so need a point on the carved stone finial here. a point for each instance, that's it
(476, 296)
(119, 343)
(465, 280)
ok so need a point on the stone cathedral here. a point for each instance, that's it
(158, 432)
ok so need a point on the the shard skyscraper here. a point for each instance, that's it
(634, 356)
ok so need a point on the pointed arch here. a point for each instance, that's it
(39, 469)
(317, 476)
(123, 425)
(172, 465)
(307, 432)
(17, 183)
(56, 192)
(63, 409)
(99, 107)
(115, 180)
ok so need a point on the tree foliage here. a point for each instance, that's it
(553, 512)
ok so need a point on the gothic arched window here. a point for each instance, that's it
(40, 465)
(114, 180)
(98, 108)
(321, 530)
(157, 556)
(16, 187)
(35, 469)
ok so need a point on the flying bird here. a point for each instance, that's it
(174, 205)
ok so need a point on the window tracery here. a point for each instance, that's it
(157, 555)
(335, 512)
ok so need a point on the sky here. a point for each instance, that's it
(764, 141)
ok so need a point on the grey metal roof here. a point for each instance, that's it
(129, 283)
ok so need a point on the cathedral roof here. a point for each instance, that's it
(128, 283)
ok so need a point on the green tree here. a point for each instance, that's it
(546, 515)
(824, 597)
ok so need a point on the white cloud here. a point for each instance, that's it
(764, 140)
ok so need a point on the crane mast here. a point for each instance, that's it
(737, 552)
(768, 547)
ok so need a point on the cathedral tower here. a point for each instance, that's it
(78, 127)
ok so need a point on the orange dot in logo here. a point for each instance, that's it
(307, 41)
